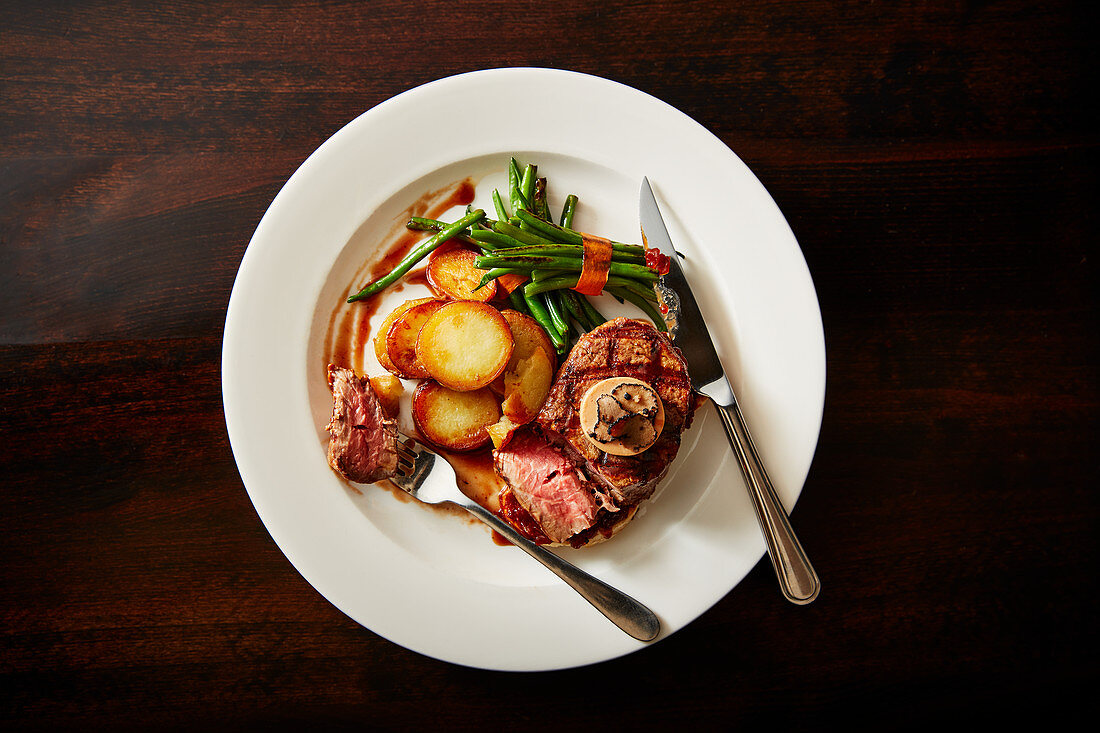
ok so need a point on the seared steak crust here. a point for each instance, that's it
(620, 348)
(363, 439)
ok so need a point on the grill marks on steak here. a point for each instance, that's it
(622, 347)
(363, 439)
(549, 486)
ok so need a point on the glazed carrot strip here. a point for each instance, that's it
(511, 281)
(597, 263)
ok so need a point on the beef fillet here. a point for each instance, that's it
(620, 348)
(363, 439)
(575, 492)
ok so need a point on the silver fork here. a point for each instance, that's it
(416, 463)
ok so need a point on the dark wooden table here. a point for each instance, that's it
(938, 165)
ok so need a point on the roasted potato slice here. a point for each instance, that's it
(465, 345)
(454, 420)
(526, 387)
(453, 274)
(502, 431)
(402, 336)
(528, 336)
(383, 330)
(389, 390)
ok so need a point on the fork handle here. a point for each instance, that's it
(797, 579)
(622, 610)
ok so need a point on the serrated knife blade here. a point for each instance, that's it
(688, 332)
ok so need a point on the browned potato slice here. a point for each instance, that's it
(501, 431)
(453, 274)
(465, 345)
(526, 388)
(528, 335)
(384, 329)
(454, 420)
(402, 336)
(389, 390)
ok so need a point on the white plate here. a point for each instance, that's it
(439, 585)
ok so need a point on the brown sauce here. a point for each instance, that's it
(349, 325)
(476, 476)
(368, 310)
(419, 277)
(393, 255)
(349, 332)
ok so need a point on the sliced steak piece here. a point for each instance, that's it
(620, 348)
(547, 485)
(363, 439)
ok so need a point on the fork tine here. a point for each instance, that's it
(407, 455)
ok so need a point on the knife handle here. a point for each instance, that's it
(797, 578)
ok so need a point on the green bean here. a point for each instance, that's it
(641, 290)
(571, 264)
(647, 307)
(557, 312)
(515, 298)
(571, 301)
(539, 275)
(496, 272)
(537, 253)
(514, 193)
(512, 230)
(562, 234)
(527, 184)
(555, 233)
(498, 204)
(418, 253)
(542, 210)
(570, 281)
(554, 250)
(590, 310)
(494, 240)
(567, 211)
(537, 306)
(425, 224)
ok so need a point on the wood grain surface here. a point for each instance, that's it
(937, 162)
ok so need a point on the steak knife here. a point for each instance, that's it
(797, 579)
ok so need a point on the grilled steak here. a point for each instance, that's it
(363, 439)
(575, 492)
(620, 348)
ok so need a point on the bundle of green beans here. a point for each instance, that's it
(525, 241)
